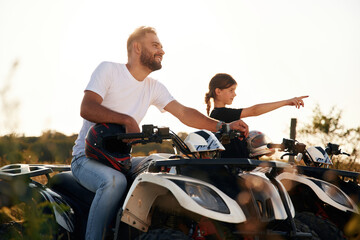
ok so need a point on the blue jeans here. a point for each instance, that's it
(108, 185)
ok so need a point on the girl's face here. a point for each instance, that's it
(225, 96)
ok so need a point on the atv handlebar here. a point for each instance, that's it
(225, 134)
(291, 146)
(333, 149)
(275, 145)
(154, 134)
(149, 133)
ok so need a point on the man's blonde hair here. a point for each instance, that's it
(137, 35)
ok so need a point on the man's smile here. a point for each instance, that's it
(158, 58)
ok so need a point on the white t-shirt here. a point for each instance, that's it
(122, 93)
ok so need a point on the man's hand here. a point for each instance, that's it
(131, 126)
(240, 126)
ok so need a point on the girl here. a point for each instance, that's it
(222, 90)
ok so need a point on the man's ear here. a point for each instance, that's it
(137, 47)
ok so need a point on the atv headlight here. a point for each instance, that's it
(334, 193)
(204, 196)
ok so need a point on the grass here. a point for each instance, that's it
(28, 221)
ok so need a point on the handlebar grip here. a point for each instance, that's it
(274, 145)
(129, 135)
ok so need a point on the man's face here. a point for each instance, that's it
(152, 52)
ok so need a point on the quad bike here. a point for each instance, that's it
(318, 160)
(321, 196)
(191, 195)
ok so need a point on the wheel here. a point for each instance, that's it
(324, 228)
(302, 227)
(163, 234)
(301, 230)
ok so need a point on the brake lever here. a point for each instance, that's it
(136, 142)
(344, 153)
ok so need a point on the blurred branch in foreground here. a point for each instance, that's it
(9, 120)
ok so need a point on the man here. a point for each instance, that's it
(121, 94)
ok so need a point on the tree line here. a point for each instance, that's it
(50, 147)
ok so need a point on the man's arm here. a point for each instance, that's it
(92, 110)
(193, 118)
(262, 108)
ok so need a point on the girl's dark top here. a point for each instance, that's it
(236, 148)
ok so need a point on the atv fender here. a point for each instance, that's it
(64, 214)
(149, 186)
(265, 192)
(326, 196)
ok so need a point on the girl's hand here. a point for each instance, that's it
(297, 101)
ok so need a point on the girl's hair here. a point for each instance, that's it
(221, 81)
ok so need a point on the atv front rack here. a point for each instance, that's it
(14, 171)
(321, 172)
(241, 162)
(246, 163)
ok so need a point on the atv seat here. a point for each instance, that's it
(66, 184)
(138, 165)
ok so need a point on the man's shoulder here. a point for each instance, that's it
(112, 68)
(108, 64)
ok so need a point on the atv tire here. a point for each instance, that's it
(324, 228)
(302, 227)
(163, 234)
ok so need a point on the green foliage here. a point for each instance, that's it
(50, 147)
(10, 147)
(325, 128)
(325, 125)
(29, 220)
(39, 223)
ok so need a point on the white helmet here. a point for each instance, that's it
(318, 155)
(257, 144)
(203, 141)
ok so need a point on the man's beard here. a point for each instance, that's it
(149, 61)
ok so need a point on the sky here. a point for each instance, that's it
(275, 50)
